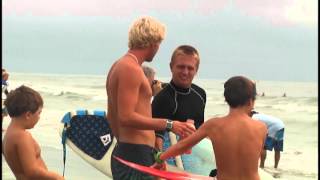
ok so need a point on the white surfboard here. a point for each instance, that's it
(90, 137)
(102, 163)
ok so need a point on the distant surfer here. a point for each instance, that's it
(274, 138)
(129, 94)
(21, 151)
(180, 99)
(237, 139)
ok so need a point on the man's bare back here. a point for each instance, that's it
(126, 76)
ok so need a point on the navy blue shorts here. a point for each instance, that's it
(275, 143)
(137, 153)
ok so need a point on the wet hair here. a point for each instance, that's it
(238, 90)
(21, 100)
(145, 32)
(148, 71)
(185, 50)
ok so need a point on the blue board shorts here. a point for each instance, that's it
(275, 143)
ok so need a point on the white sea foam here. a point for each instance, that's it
(64, 93)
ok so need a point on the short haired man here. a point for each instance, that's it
(180, 99)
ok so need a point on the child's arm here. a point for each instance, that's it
(32, 166)
(185, 144)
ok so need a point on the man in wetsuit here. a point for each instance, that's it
(129, 95)
(180, 99)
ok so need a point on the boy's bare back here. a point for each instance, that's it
(237, 141)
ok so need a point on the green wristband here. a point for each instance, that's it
(157, 157)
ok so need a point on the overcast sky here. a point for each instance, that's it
(263, 39)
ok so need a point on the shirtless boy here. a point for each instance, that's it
(237, 140)
(21, 151)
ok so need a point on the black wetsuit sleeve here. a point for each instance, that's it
(161, 108)
(201, 110)
(204, 96)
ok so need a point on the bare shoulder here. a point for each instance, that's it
(21, 137)
(17, 138)
(260, 126)
(213, 122)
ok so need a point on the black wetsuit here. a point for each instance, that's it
(180, 104)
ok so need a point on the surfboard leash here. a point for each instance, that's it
(64, 138)
(66, 121)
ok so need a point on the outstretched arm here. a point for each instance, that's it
(185, 144)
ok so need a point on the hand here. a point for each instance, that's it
(162, 166)
(159, 143)
(182, 128)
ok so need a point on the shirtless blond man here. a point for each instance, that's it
(21, 151)
(129, 94)
(237, 140)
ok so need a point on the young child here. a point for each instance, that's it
(237, 140)
(21, 151)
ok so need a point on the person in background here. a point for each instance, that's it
(155, 84)
(180, 99)
(274, 138)
(129, 96)
(237, 140)
(19, 148)
(4, 81)
(4, 93)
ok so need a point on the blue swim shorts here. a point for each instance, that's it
(275, 143)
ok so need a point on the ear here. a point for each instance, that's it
(27, 114)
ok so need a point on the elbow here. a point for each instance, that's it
(124, 120)
(32, 173)
(35, 172)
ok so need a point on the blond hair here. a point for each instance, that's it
(145, 31)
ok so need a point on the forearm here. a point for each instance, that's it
(175, 150)
(184, 145)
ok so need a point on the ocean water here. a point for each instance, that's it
(62, 93)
